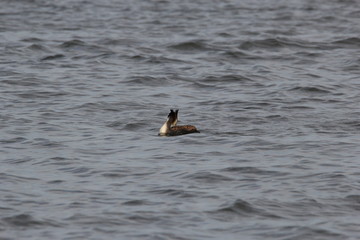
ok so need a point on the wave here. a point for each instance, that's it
(242, 208)
(236, 54)
(72, 43)
(25, 220)
(32, 39)
(175, 192)
(239, 207)
(148, 81)
(41, 94)
(52, 57)
(14, 178)
(311, 89)
(252, 170)
(138, 202)
(96, 106)
(208, 177)
(229, 78)
(348, 42)
(132, 126)
(38, 47)
(79, 45)
(189, 46)
(29, 81)
(275, 43)
(12, 140)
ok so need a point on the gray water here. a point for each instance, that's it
(273, 86)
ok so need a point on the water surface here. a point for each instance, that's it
(271, 85)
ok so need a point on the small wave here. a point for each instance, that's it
(42, 142)
(120, 41)
(265, 43)
(56, 182)
(143, 218)
(120, 125)
(25, 220)
(148, 81)
(352, 124)
(87, 48)
(354, 201)
(160, 95)
(189, 46)
(41, 94)
(208, 177)
(302, 232)
(115, 124)
(252, 170)
(19, 160)
(313, 89)
(13, 178)
(138, 202)
(198, 85)
(299, 107)
(7, 73)
(32, 39)
(348, 42)
(38, 47)
(162, 60)
(12, 140)
(231, 78)
(309, 55)
(175, 192)
(241, 208)
(236, 54)
(52, 57)
(132, 126)
(76, 169)
(24, 82)
(277, 117)
(97, 106)
(116, 174)
(276, 43)
(146, 58)
(72, 43)
(336, 126)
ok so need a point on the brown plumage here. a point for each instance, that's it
(170, 129)
(181, 130)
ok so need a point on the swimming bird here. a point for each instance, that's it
(170, 129)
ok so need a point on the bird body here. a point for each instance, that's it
(170, 128)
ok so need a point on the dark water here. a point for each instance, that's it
(273, 86)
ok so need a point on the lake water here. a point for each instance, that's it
(273, 86)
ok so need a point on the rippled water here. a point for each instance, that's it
(273, 87)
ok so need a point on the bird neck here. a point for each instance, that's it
(165, 129)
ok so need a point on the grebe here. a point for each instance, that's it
(170, 129)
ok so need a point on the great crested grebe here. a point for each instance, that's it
(170, 129)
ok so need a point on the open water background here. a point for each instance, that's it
(273, 86)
